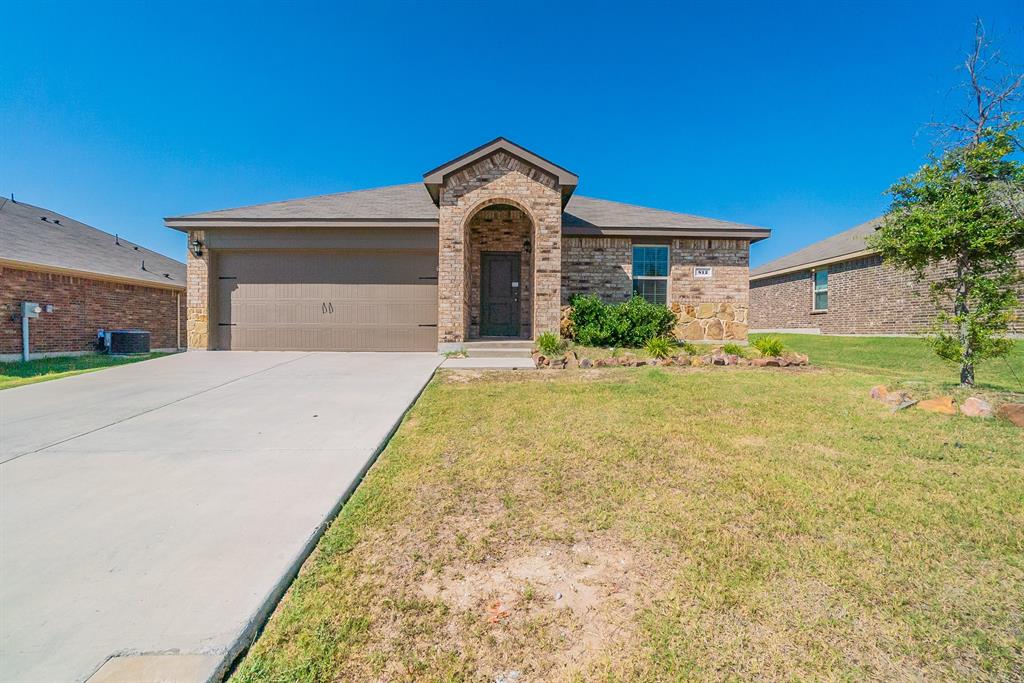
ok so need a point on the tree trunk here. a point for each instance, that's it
(967, 374)
(961, 309)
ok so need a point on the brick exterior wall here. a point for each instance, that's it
(500, 230)
(865, 296)
(197, 275)
(597, 265)
(497, 179)
(81, 306)
(710, 309)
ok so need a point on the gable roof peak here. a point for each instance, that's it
(434, 178)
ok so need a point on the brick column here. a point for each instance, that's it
(198, 295)
(451, 275)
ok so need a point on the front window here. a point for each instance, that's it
(650, 273)
(821, 289)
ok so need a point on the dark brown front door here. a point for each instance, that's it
(499, 294)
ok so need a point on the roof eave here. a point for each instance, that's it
(89, 274)
(753, 235)
(814, 264)
(185, 223)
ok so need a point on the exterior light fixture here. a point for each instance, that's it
(527, 246)
(197, 247)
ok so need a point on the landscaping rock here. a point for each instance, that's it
(796, 359)
(1014, 412)
(903, 403)
(943, 405)
(976, 407)
(571, 361)
(775, 362)
(586, 363)
(697, 361)
(539, 360)
(879, 392)
(759, 362)
(719, 359)
(895, 398)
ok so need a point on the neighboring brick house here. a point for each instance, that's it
(84, 280)
(840, 286)
(490, 245)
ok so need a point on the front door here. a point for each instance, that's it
(499, 294)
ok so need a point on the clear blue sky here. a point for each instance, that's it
(794, 116)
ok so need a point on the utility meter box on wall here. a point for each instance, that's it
(30, 309)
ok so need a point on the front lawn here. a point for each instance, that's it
(907, 360)
(18, 373)
(667, 524)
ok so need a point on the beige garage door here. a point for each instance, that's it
(339, 300)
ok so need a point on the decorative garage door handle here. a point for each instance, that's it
(326, 307)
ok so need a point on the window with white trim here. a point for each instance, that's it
(820, 289)
(650, 272)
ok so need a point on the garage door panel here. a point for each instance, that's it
(328, 301)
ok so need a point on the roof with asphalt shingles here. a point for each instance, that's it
(62, 242)
(835, 247)
(413, 202)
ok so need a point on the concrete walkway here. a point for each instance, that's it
(161, 507)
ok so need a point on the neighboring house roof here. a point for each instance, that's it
(40, 239)
(845, 245)
(411, 204)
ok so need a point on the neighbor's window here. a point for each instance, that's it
(650, 273)
(821, 289)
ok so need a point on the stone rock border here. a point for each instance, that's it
(974, 406)
(717, 357)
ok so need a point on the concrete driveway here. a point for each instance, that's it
(161, 507)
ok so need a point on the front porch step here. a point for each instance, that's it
(498, 353)
(499, 348)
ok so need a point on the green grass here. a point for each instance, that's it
(665, 524)
(19, 373)
(905, 359)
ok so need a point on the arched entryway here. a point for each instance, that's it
(499, 272)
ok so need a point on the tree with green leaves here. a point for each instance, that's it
(960, 219)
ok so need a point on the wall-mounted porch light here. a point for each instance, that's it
(527, 246)
(197, 247)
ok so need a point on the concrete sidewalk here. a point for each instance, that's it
(157, 507)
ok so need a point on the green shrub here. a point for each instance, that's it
(660, 347)
(768, 346)
(629, 324)
(689, 349)
(549, 344)
(734, 349)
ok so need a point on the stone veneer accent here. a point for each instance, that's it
(198, 308)
(712, 308)
(500, 230)
(865, 296)
(497, 179)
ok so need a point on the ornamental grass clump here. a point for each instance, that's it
(768, 346)
(550, 344)
(735, 349)
(660, 347)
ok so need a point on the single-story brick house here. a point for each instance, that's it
(840, 286)
(490, 244)
(84, 280)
